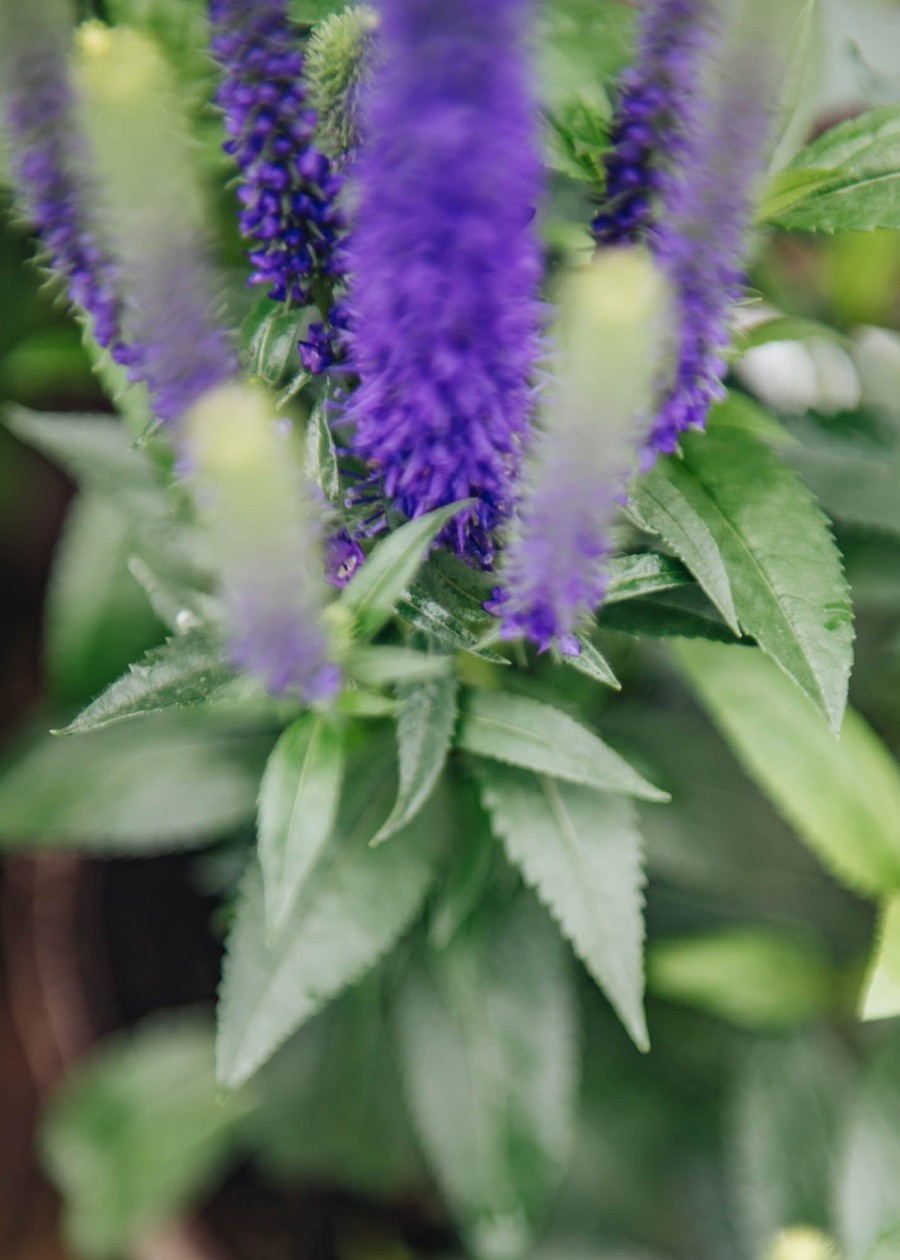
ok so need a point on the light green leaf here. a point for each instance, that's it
(377, 586)
(842, 796)
(321, 456)
(137, 1134)
(487, 1036)
(298, 805)
(581, 852)
(526, 733)
(755, 977)
(425, 725)
(783, 328)
(186, 672)
(887, 1247)
(97, 619)
(177, 605)
(173, 783)
(387, 664)
(591, 662)
(864, 155)
(671, 503)
(791, 188)
(865, 1195)
(783, 567)
(854, 475)
(881, 999)
(355, 905)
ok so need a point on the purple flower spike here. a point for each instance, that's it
(288, 188)
(444, 312)
(701, 239)
(49, 165)
(657, 110)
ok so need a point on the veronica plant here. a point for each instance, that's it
(391, 786)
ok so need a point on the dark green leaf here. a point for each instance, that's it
(679, 614)
(97, 619)
(180, 607)
(298, 805)
(864, 156)
(377, 586)
(446, 601)
(783, 567)
(581, 852)
(842, 796)
(186, 672)
(526, 733)
(631, 577)
(488, 1043)
(137, 1134)
(357, 902)
(467, 877)
(591, 662)
(321, 456)
(425, 723)
(270, 335)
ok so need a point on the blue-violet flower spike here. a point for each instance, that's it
(288, 190)
(50, 166)
(445, 265)
(659, 97)
(611, 338)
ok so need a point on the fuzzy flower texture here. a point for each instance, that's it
(445, 264)
(49, 168)
(288, 188)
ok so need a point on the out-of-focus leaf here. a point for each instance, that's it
(788, 1112)
(488, 1044)
(864, 156)
(377, 586)
(425, 723)
(887, 1247)
(185, 673)
(355, 905)
(882, 995)
(754, 977)
(526, 733)
(866, 1203)
(581, 852)
(97, 618)
(387, 664)
(467, 877)
(783, 567)
(854, 475)
(138, 1133)
(298, 805)
(174, 782)
(842, 796)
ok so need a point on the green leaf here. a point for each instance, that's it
(355, 905)
(786, 1121)
(865, 1194)
(881, 999)
(581, 852)
(173, 783)
(887, 1247)
(186, 672)
(178, 605)
(591, 662)
(854, 475)
(465, 881)
(487, 1036)
(755, 977)
(446, 601)
(321, 456)
(791, 188)
(387, 664)
(137, 1134)
(377, 586)
(783, 328)
(842, 796)
(681, 613)
(269, 336)
(96, 451)
(425, 725)
(864, 156)
(298, 806)
(783, 567)
(671, 503)
(632, 577)
(526, 733)
(97, 619)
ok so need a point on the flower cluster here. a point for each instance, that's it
(658, 102)
(445, 262)
(50, 171)
(288, 188)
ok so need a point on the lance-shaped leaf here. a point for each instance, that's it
(298, 804)
(581, 852)
(842, 796)
(526, 733)
(424, 730)
(487, 1036)
(783, 568)
(377, 586)
(881, 999)
(356, 903)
